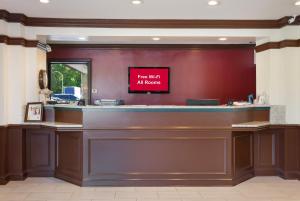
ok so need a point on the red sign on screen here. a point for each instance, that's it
(148, 79)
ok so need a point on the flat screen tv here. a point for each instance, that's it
(149, 79)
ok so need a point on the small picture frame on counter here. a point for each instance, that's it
(34, 112)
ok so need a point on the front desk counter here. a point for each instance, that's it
(155, 146)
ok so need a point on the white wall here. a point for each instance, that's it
(278, 74)
(263, 60)
(19, 69)
(3, 109)
(34, 62)
(15, 68)
(291, 64)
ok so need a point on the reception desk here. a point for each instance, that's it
(155, 145)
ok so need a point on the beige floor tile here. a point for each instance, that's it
(93, 195)
(294, 195)
(174, 199)
(13, 196)
(224, 195)
(73, 189)
(185, 195)
(50, 189)
(71, 200)
(169, 195)
(49, 196)
(115, 189)
(248, 199)
(215, 189)
(5, 189)
(159, 199)
(146, 189)
(117, 200)
(188, 189)
(290, 199)
(137, 195)
(205, 199)
(263, 193)
(34, 189)
(166, 189)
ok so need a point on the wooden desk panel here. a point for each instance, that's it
(3, 154)
(168, 157)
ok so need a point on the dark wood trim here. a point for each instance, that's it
(13, 17)
(69, 151)
(243, 159)
(277, 45)
(16, 153)
(265, 163)
(18, 41)
(145, 23)
(161, 46)
(274, 126)
(40, 152)
(3, 155)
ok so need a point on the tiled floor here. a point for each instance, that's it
(49, 189)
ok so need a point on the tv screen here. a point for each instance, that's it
(149, 79)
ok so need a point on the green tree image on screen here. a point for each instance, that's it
(62, 75)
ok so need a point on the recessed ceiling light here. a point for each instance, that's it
(222, 39)
(45, 1)
(136, 2)
(297, 3)
(213, 3)
(82, 38)
(156, 38)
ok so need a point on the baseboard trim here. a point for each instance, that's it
(163, 182)
(239, 179)
(3, 180)
(68, 179)
(289, 175)
(41, 174)
(266, 172)
(20, 177)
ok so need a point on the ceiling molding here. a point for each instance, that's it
(161, 46)
(145, 23)
(18, 41)
(277, 45)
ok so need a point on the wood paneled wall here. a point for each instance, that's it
(3, 154)
(16, 153)
(203, 72)
(40, 152)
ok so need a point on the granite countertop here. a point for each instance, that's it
(54, 124)
(219, 107)
(253, 124)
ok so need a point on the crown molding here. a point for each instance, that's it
(145, 23)
(161, 46)
(18, 41)
(277, 45)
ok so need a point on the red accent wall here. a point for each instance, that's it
(218, 73)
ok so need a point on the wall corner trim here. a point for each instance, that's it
(18, 41)
(277, 45)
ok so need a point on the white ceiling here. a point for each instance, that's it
(154, 9)
(146, 40)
